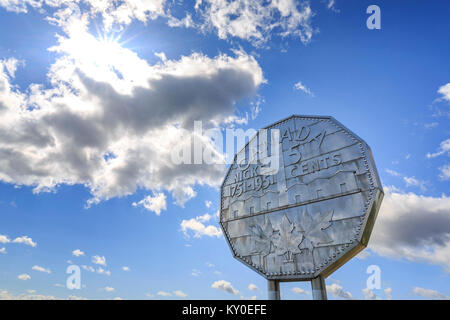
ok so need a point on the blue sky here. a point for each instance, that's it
(87, 125)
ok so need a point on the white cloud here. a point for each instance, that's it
(363, 254)
(195, 273)
(31, 295)
(445, 91)
(8, 93)
(204, 218)
(337, 291)
(110, 120)
(19, 6)
(72, 297)
(301, 87)
(445, 172)
(100, 270)
(208, 203)
(332, 5)
(41, 269)
(155, 203)
(3, 250)
(109, 289)
(412, 181)
(186, 22)
(180, 294)
(253, 287)
(164, 294)
(369, 294)
(199, 228)
(444, 147)
(429, 293)
(77, 253)
(393, 173)
(299, 291)
(4, 239)
(126, 11)
(388, 293)
(409, 181)
(25, 240)
(250, 20)
(23, 276)
(101, 260)
(224, 286)
(413, 227)
(256, 21)
(431, 125)
(88, 268)
(11, 65)
(112, 13)
(125, 268)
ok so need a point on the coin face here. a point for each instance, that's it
(300, 199)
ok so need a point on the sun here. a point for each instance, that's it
(104, 58)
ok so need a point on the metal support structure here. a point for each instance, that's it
(319, 290)
(273, 289)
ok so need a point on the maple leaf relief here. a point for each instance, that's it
(291, 238)
(312, 228)
(288, 239)
(262, 238)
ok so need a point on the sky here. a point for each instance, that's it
(95, 95)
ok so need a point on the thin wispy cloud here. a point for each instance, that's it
(300, 291)
(41, 269)
(444, 172)
(301, 87)
(429, 293)
(180, 294)
(164, 294)
(444, 148)
(77, 253)
(101, 260)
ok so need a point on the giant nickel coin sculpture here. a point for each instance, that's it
(300, 200)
